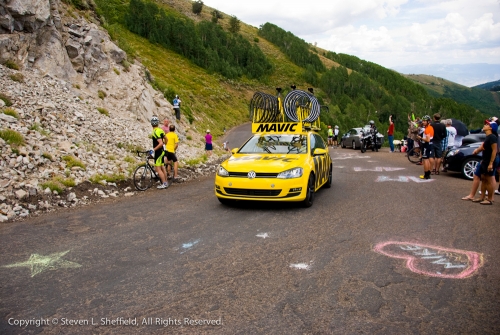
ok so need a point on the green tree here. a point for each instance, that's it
(216, 16)
(234, 25)
(197, 7)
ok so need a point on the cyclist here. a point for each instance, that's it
(330, 136)
(158, 136)
(172, 144)
(427, 147)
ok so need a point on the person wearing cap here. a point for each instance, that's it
(208, 143)
(427, 147)
(486, 169)
(336, 137)
(330, 136)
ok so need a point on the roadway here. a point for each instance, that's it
(381, 252)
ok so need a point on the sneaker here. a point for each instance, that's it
(419, 163)
(177, 180)
(485, 193)
(497, 192)
(162, 186)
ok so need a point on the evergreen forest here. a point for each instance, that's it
(216, 69)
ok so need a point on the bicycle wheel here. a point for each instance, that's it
(414, 155)
(143, 178)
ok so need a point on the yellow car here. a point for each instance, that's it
(281, 162)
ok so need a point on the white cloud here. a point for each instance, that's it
(387, 32)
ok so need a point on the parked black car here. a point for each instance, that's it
(462, 160)
(474, 138)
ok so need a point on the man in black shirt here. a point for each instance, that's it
(437, 141)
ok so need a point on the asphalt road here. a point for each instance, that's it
(378, 253)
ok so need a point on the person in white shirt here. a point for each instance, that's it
(452, 133)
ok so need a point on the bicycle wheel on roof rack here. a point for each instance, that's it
(143, 178)
(264, 108)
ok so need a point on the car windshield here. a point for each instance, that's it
(275, 144)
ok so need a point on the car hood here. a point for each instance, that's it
(263, 163)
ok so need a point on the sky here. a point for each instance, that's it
(393, 33)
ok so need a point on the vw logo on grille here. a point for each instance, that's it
(251, 175)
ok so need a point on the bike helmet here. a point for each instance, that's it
(155, 121)
(426, 118)
(493, 119)
(371, 122)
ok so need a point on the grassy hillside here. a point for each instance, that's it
(213, 101)
(483, 100)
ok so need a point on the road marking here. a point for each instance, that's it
(433, 261)
(350, 156)
(189, 245)
(378, 169)
(263, 235)
(39, 263)
(301, 266)
(403, 179)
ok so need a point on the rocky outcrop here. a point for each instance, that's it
(75, 100)
(61, 124)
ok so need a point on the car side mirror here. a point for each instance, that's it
(319, 152)
(234, 150)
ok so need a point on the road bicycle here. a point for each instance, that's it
(145, 174)
(414, 155)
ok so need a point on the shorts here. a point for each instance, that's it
(427, 150)
(159, 157)
(171, 157)
(330, 137)
(483, 168)
(208, 146)
(335, 137)
(438, 150)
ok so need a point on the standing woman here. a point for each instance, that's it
(390, 133)
(488, 165)
(208, 143)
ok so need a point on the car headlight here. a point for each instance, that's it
(452, 153)
(222, 172)
(292, 173)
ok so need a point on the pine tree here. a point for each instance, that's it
(234, 25)
(197, 7)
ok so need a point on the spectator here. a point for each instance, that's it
(177, 107)
(452, 133)
(172, 144)
(336, 137)
(486, 169)
(390, 134)
(412, 133)
(208, 143)
(330, 136)
(427, 147)
(166, 126)
(437, 141)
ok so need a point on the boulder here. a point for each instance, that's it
(117, 54)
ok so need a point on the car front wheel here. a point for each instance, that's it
(469, 166)
(308, 201)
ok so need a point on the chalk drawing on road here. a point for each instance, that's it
(301, 266)
(433, 261)
(189, 245)
(403, 179)
(263, 235)
(39, 263)
(378, 169)
(349, 156)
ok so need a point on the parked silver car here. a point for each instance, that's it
(351, 139)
